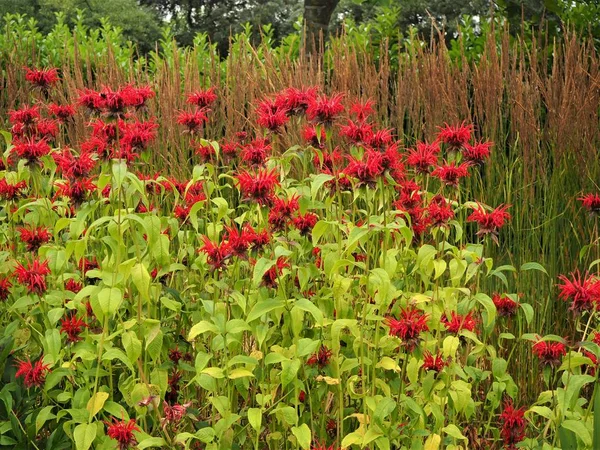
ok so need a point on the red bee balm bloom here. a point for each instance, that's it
(305, 223)
(122, 432)
(5, 286)
(477, 153)
(34, 238)
(27, 115)
(73, 286)
(321, 358)
(42, 78)
(33, 275)
(271, 116)
(450, 174)
(217, 254)
(583, 293)
(61, 112)
(489, 222)
(513, 425)
(192, 120)
(296, 101)
(455, 136)
(256, 152)
(435, 363)
(33, 374)
(505, 305)
(549, 353)
(10, 191)
(258, 186)
(72, 327)
(31, 150)
(459, 322)
(270, 277)
(202, 99)
(411, 324)
(591, 202)
(324, 110)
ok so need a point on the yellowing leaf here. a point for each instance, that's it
(328, 380)
(433, 442)
(95, 404)
(388, 363)
(239, 373)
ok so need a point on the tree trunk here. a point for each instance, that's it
(317, 14)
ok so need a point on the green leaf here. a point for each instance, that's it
(255, 418)
(308, 306)
(132, 346)
(528, 311)
(453, 431)
(96, 403)
(43, 416)
(261, 267)
(152, 442)
(318, 182)
(289, 369)
(318, 231)
(596, 417)
(84, 435)
(568, 439)
(533, 266)
(303, 435)
(201, 328)
(141, 280)
(239, 373)
(110, 299)
(264, 307)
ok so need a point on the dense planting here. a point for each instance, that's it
(312, 296)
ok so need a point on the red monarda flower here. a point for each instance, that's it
(33, 374)
(583, 292)
(258, 186)
(296, 101)
(455, 136)
(256, 152)
(380, 139)
(61, 112)
(409, 326)
(258, 239)
(309, 134)
(42, 78)
(31, 150)
(489, 222)
(91, 100)
(450, 174)
(27, 115)
(271, 115)
(549, 353)
(239, 240)
(74, 166)
(324, 109)
(591, 202)
(122, 432)
(478, 153)
(305, 223)
(33, 275)
(321, 358)
(87, 264)
(217, 254)
(202, 98)
(513, 425)
(12, 191)
(138, 96)
(357, 132)
(193, 121)
(206, 152)
(282, 211)
(46, 129)
(175, 413)
(5, 286)
(34, 237)
(433, 362)
(362, 110)
(77, 190)
(505, 305)
(113, 103)
(367, 170)
(175, 355)
(458, 322)
(135, 137)
(439, 211)
(107, 131)
(73, 286)
(423, 157)
(270, 277)
(72, 327)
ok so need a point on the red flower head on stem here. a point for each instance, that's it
(217, 254)
(321, 358)
(490, 222)
(31, 150)
(33, 275)
(282, 211)
(34, 374)
(362, 110)
(122, 432)
(271, 276)
(42, 79)
(25, 116)
(513, 425)
(62, 112)
(583, 292)
(5, 286)
(409, 326)
(439, 211)
(256, 152)
(478, 153)
(459, 322)
(296, 101)
(305, 222)
(258, 186)
(12, 191)
(450, 174)
(591, 202)
(72, 326)
(455, 136)
(34, 237)
(324, 109)
(193, 121)
(505, 305)
(271, 115)
(357, 132)
(202, 98)
(72, 166)
(434, 362)
(549, 353)
(367, 170)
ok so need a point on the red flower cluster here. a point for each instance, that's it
(271, 276)
(591, 202)
(582, 292)
(43, 79)
(450, 174)
(434, 362)
(33, 275)
(202, 98)
(549, 353)
(505, 306)
(33, 374)
(34, 237)
(409, 326)
(459, 322)
(456, 136)
(489, 222)
(122, 432)
(321, 358)
(72, 326)
(258, 186)
(513, 425)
